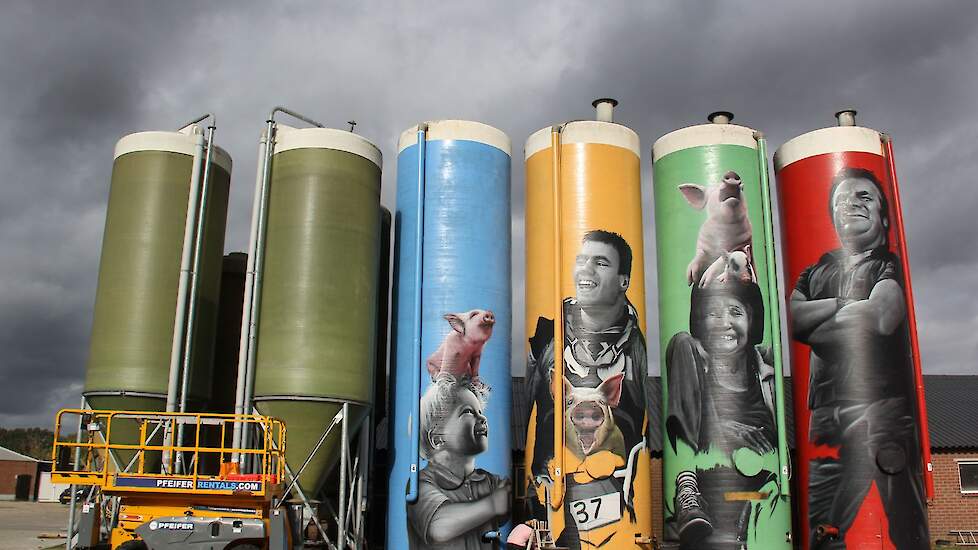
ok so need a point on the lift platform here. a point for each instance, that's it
(171, 480)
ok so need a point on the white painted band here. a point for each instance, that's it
(703, 134)
(288, 138)
(585, 131)
(172, 142)
(837, 139)
(465, 130)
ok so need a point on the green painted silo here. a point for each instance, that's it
(135, 304)
(318, 314)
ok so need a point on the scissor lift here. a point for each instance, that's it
(158, 493)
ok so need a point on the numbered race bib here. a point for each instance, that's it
(593, 512)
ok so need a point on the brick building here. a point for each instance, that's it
(952, 405)
(18, 476)
(952, 408)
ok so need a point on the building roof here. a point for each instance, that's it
(13, 456)
(952, 411)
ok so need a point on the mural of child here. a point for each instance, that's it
(457, 502)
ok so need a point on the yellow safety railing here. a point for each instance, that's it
(114, 445)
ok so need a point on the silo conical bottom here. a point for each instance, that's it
(126, 432)
(305, 422)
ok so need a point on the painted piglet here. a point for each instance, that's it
(461, 351)
(589, 426)
(730, 266)
(727, 227)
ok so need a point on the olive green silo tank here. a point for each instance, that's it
(318, 299)
(139, 272)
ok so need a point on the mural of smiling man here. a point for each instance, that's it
(605, 365)
(860, 414)
(849, 308)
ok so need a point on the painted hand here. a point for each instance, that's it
(751, 437)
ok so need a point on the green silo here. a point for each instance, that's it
(135, 303)
(318, 313)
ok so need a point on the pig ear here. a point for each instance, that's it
(611, 389)
(695, 195)
(455, 322)
(568, 389)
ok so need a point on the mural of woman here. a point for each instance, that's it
(725, 459)
(721, 399)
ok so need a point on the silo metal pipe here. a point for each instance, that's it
(173, 383)
(198, 245)
(259, 255)
(249, 324)
(257, 210)
(176, 355)
(415, 435)
(911, 316)
(775, 304)
(191, 314)
(558, 388)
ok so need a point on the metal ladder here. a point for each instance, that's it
(543, 537)
(966, 537)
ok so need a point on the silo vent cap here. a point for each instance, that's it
(720, 117)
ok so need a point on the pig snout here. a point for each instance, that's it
(731, 187)
(587, 416)
(489, 319)
(731, 178)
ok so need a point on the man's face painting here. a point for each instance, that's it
(596, 276)
(466, 430)
(727, 325)
(857, 212)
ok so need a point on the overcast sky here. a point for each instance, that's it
(77, 76)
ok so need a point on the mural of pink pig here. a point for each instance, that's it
(727, 227)
(588, 425)
(730, 266)
(461, 351)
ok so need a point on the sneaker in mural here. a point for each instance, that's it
(692, 520)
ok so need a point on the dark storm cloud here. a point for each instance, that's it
(74, 82)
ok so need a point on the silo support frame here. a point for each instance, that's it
(72, 529)
(71, 488)
(352, 487)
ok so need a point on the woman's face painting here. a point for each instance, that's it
(727, 324)
(466, 429)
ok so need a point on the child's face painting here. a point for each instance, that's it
(466, 429)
